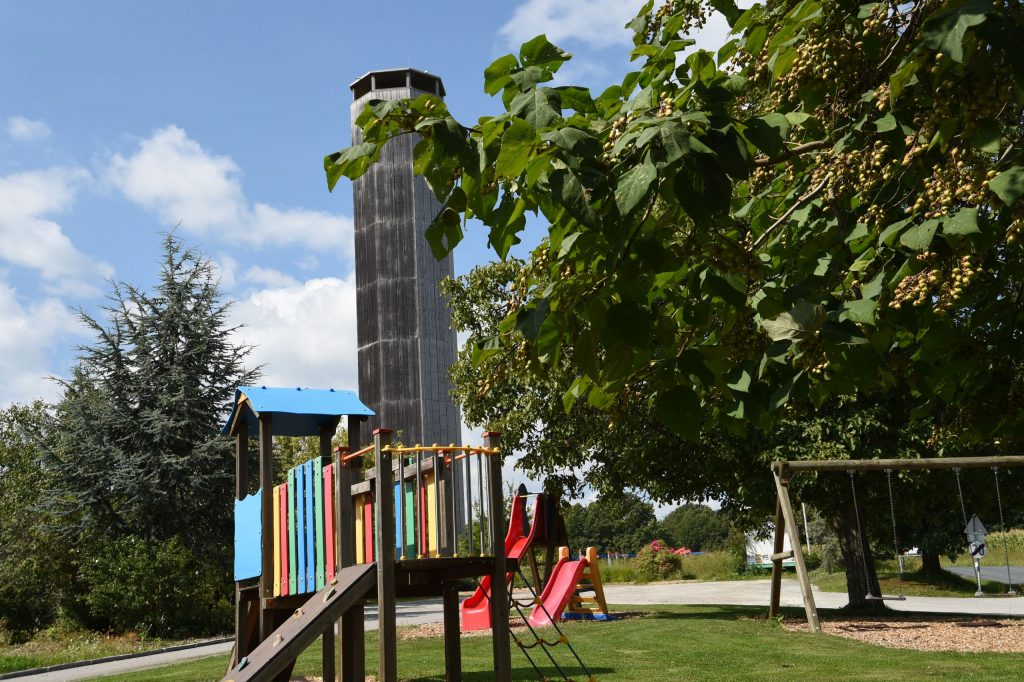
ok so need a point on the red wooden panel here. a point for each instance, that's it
(329, 520)
(368, 528)
(284, 536)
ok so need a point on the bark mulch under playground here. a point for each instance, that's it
(926, 633)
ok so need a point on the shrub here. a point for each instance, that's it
(736, 546)
(656, 562)
(157, 588)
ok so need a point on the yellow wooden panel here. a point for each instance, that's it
(277, 541)
(360, 539)
(431, 514)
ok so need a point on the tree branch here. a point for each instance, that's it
(790, 153)
(792, 209)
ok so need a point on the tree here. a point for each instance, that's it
(137, 442)
(30, 563)
(696, 527)
(827, 205)
(616, 523)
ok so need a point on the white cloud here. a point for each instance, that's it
(174, 176)
(599, 23)
(305, 333)
(27, 338)
(28, 238)
(21, 129)
(269, 277)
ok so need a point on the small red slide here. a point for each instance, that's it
(557, 592)
(476, 610)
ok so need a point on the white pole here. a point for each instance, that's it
(807, 533)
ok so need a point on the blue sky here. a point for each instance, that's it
(119, 120)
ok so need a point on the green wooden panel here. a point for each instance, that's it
(410, 523)
(318, 514)
(293, 555)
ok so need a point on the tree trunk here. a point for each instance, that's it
(861, 578)
(930, 563)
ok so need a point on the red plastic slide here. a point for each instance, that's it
(476, 610)
(557, 592)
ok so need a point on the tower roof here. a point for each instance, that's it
(297, 411)
(383, 79)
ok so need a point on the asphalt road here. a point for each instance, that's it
(991, 572)
(740, 593)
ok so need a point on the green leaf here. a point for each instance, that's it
(679, 409)
(768, 133)
(574, 140)
(577, 99)
(886, 123)
(496, 76)
(801, 322)
(540, 107)
(728, 8)
(505, 229)
(517, 145)
(703, 189)
(350, 163)
(964, 221)
(634, 186)
(674, 140)
(944, 31)
(861, 311)
(987, 137)
(889, 234)
(630, 323)
(530, 319)
(540, 52)
(445, 232)
(578, 388)
(485, 349)
(1009, 185)
(919, 237)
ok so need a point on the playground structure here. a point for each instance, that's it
(313, 544)
(786, 526)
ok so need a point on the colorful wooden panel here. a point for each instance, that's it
(282, 526)
(293, 561)
(410, 518)
(432, 513)
(329, 560)
(318, 520)
(359, 530)
(310, 525)
(248, 537)
(300, 527)
(277, 541)
(368, 528)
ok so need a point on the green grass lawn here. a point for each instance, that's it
(915, 584)
(56, 645)
(671, 643)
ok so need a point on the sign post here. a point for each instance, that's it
(976, 533)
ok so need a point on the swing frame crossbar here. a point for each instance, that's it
(785, 519)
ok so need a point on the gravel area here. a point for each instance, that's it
(926, 633)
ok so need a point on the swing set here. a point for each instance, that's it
(785, 519)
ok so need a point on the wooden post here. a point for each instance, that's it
(327, 643)
(452, 640)
(267, 520)
(773, 604)
(782, 488)
(384, 535)
(499, 595)
(351, 647)
(241, 489)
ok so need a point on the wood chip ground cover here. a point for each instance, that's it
(922, 633)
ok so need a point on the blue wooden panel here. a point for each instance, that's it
(292, 549)
(248, 537)
(300, 527)
(307, 469)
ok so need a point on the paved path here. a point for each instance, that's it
(996, 573)
(738, 593)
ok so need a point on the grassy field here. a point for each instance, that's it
(708, 566)
(54, 646)
(671, 643)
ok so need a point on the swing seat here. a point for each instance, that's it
(871, 597)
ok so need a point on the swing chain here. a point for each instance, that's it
(860, 532)
(1002, 527)
(895, 542)
(960, 492)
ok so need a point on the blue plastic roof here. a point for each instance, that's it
(296, 411)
